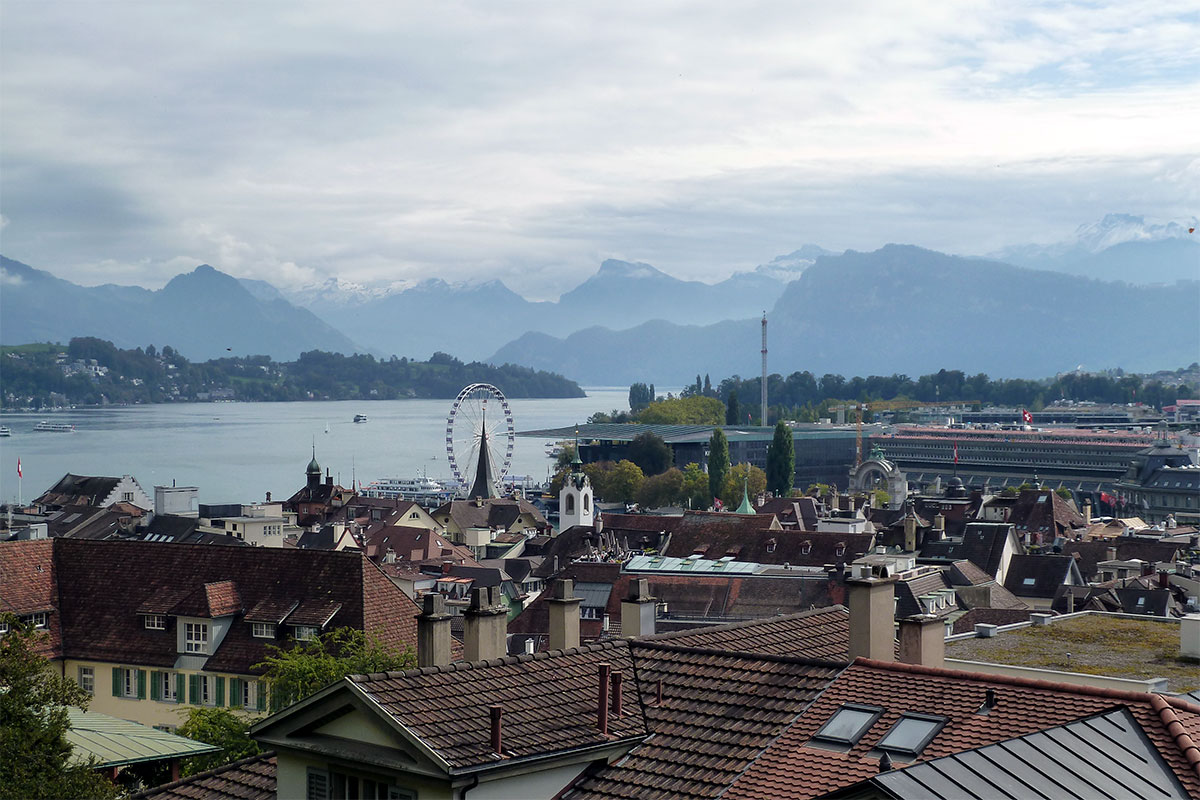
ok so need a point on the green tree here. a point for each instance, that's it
(733, 411)
(35, 756)
(880, 498)
(691, 410)
(651, 453)
(665, 489)
(221, 727)
(718, 463)
(623, 482)
(639, 397)
(694, 492)
(781, 461)
(741, 475)
(296, 672)
(1064, 493)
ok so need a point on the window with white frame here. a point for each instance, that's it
(206, 693)
(589, 612)
(127, 497)
(305, 633)
(156, 622)
(195, 637)
(39, 620)
(250, 694)
(263, 630)
(168, 686)
(87, 680)
(128, 682)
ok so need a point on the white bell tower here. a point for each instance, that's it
(576, 506)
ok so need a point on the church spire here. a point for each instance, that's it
(745, 507)
(484, 484)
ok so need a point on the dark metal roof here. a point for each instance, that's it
(1103, 756)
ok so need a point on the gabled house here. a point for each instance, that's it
(1035, 579)
(99, 492)
(476, 522)
(988, 545)
(150, 628)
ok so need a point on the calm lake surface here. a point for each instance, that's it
(237, 452)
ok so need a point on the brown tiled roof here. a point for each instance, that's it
(223, 598)
(909, 591)
(313, 612)
(822, 633)
(1047, 573)
(719, 710)
(982, 543)
(78, 490)
(1049, 516)
(271, 609)
(1090, 554)
(791, 768)
(104, 585)
(494, 513)
(548, 701)
(643, 523)
(410, 543)
(990, 616)
(965, 573)
(27, 585)
(252, 778)
(751, 538)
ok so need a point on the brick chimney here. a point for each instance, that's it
(484, 625)
(1087, 512)
(872, 610)
(433, 632)
(638, 610)
(910, 533)
(564, 616)
(923, 641)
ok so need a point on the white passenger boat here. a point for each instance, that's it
(54, 427)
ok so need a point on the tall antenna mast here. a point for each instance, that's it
(764, 371)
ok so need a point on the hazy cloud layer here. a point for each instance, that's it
(529, 141)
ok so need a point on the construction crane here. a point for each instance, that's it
(888, 405)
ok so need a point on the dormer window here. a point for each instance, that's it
(263, 630)
(806, 548)
(770, 545)
(841, 549)
(156, 622)
(195, 637)
(305, 633)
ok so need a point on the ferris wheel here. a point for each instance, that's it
(471, 427)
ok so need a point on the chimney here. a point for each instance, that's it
(602, 701)
(1087, 512)
(910, 533)
(497, 714)
(939, 526)
(1164, 579)
(564, 616)
(1189, 636)
(484, 625)
(923, 641)
(1147, 568)
(1111, 554)
(872, 611)
(638, 610)
(433, 632)
(268, 497)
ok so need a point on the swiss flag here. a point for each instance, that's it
(1025, 415)
(19, 475)
(956, 452)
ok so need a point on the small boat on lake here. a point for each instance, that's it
(360, 417)
(54, 427)
(5, 430)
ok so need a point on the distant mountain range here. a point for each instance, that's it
(898, 309)
(204, 314)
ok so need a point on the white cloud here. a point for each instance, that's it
(385, 142)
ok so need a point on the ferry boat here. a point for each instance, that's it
(5, 430)
(423, 491)
(360, 417)
(54, 427)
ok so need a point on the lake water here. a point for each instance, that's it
(237, 452)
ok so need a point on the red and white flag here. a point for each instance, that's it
(956, 451)
(19, 475)
(1025, 415)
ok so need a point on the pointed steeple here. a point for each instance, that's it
(484, 484)
(745, 507)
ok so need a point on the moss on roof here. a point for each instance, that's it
(1092, 644)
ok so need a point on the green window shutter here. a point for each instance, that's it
(141, 684)
(180, 688)
(117, 682)
(220, 695)
(235, 692)
(194, 689)
(156, 686)
(262, 695)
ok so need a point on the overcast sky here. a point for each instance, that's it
(529, 141)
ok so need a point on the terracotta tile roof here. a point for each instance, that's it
(314, 612)
(27, 585)
(910, 590)
(271, 609)
(252, 778)
(548, 700)
(410, 543)
(792, 768)
(747, 537)
(103, 586)
(1089, 554)
(719, 711)
(579, 540)
(822, 633)
(78, 490)
(1042, 511)
(495, 513)
(964, 572)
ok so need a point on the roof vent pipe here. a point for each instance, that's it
(497, 713)
(602, 700)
